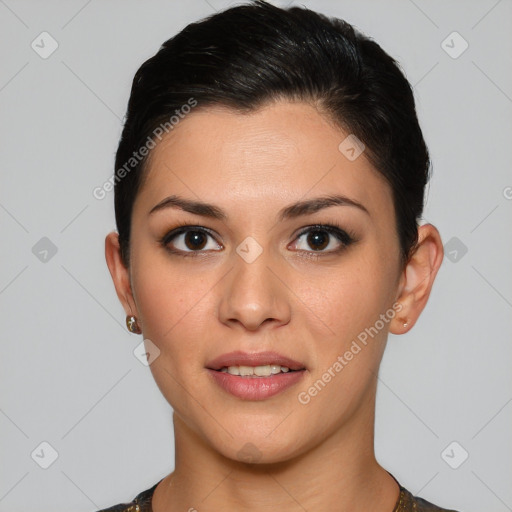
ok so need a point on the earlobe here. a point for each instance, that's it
(119, 273)
(418, 278)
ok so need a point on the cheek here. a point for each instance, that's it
(346, 299)
(348, 358)
(172, 308)
(348, 353)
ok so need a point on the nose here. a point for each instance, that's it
(253, 296)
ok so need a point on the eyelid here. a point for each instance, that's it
(332, 228)
(344, 236)
(182, 228)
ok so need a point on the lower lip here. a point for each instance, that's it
(256, 388)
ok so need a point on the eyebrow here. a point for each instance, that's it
(290, 212)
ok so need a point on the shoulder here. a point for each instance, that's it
(409, 503)
(141, 502)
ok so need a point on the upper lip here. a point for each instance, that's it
(240, 358)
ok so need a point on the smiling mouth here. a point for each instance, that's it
(257, 371)
(255, 377)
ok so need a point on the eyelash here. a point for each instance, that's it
(345, 237)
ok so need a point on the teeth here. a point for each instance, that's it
(260, 371)
(245, 370)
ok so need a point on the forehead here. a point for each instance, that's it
(279, 153)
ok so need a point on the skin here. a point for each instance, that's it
(310, 309)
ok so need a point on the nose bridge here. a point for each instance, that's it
(253, 294)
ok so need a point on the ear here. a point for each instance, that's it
(120, 273)
(417, 278)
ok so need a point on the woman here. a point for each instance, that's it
(269, 182)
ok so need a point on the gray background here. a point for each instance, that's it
(68, 373)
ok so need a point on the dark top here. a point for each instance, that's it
(406, 503)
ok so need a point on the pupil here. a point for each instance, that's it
(193, 240)
(318, 239)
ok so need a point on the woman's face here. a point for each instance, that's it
(252, 274)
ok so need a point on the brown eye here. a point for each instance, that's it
(323, 239)
(189, 240)
(195, 240)
(318, 239)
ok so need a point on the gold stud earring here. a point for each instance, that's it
(133, 325)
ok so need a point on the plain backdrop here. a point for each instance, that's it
(74, 397)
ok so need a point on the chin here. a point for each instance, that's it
(259, 448)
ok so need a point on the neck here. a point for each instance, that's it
(339, 474)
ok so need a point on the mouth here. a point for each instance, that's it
(257, 371)
(261, 364)
(255, 376)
